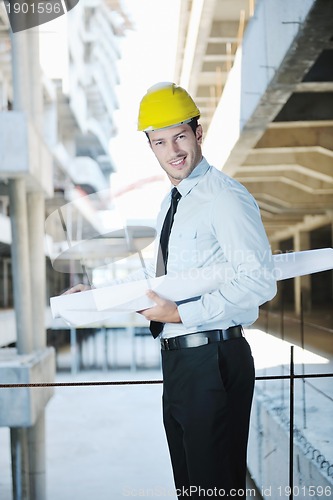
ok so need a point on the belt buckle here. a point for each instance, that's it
(166, 344)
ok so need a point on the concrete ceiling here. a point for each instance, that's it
(284, 155)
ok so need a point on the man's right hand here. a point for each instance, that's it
(77, 288)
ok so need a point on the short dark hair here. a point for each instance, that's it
(194, 124)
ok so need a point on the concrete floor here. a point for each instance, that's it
(107, 442)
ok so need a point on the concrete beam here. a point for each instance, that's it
(308, 87)
(224, 39)
(288, 194)
(21, 407)
(288, 181)
(285, 170)
(218, 58)
(309, 223)
(23, 153)
(297, 134)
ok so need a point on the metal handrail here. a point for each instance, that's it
(291, 377)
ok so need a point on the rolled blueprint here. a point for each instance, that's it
(97, 305)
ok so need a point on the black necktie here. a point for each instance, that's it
(162, 257)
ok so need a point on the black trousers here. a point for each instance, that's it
(207, 396)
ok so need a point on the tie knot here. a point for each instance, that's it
(175, 194)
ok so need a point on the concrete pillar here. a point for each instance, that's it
(276, 301)
(36, 433)
(37, 460)
(20, 71)
(28, 261)
(20, 265)
(23, 314)
(20, 469)
(36, 220)
(302, 286)
(35, 105)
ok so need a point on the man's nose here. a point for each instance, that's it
(173, 147)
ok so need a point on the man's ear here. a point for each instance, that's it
(199, 133)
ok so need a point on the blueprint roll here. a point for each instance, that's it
(100, 303)
(292, 264)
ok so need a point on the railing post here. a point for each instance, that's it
(303, 370)
(266, 331)
(291, 425)
(282, 338)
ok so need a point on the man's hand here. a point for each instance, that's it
(77, 288)
(165, 310)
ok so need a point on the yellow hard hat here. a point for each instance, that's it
(166, 105)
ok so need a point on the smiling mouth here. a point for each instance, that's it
(180, 162)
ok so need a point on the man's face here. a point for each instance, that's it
(177, 149)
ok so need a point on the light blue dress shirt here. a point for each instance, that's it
(218, 221)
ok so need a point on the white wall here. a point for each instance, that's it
(267, 40)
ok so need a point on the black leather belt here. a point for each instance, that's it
(201, 338)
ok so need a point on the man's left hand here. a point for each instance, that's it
(165, 310)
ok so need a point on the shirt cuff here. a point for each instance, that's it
(189, 313)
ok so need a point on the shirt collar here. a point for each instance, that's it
(185, 186)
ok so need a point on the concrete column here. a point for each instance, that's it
(20, 471)
(36, 433)
(20, 71)
(35, 81)
(22, 301)
(20, 265)
(37, 460)
(36, 219)
(275, 302)
(302, 286)
(29, 272)
(36, 224)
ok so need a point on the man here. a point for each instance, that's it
(208, 373)
(207, 364)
